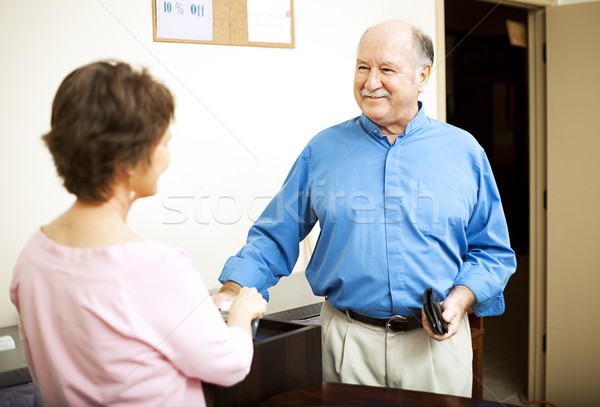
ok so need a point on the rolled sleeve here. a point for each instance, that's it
(272, 247)
(246, 274)
(489, 261)
(481, 283)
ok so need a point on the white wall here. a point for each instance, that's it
(243, 115)
(563, 2)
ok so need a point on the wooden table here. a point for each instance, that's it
(337, 394)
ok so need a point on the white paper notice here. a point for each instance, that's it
(6, 343)
(184, 20)
(269, 21)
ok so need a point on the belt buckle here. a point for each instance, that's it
(388, 323)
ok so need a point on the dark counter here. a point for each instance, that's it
(287, 355)
(13, 368)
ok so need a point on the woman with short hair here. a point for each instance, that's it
(105, 316)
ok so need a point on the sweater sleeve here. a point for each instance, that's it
(186, 327)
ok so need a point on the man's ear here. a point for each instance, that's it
(423, 78)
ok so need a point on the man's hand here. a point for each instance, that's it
(454, 307)
(227, 293)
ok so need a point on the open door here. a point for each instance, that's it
(573, 204)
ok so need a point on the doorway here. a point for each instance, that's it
(487, 95)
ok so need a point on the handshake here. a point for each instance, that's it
(242, 307)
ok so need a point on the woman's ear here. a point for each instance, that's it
(123, 173)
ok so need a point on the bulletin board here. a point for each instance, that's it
(256, 23)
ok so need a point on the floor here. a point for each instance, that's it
(505, 343)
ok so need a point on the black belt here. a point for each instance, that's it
(395, 323)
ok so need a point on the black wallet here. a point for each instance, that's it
(433, 312)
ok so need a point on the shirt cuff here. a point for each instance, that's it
(487, 291)
(491, 307)
(245, 274)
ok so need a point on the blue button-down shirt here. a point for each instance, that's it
(395, 220)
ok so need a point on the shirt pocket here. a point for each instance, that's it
(430, 216)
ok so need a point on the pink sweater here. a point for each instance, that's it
(122, 325)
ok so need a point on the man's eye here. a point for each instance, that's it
(387, 70)
(362, 68)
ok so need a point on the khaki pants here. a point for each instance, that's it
(358, 353)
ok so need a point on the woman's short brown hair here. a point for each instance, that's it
(105, 117)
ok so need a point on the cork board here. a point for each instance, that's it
(229, 23)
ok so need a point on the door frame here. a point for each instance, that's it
(536, 33)
(536, 376)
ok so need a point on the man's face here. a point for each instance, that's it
(384, 81)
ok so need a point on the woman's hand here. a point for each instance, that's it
(246, 306)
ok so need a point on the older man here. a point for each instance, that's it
(404, 203)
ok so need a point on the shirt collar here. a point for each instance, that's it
(417, 122)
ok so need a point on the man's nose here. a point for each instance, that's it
(374, 80)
